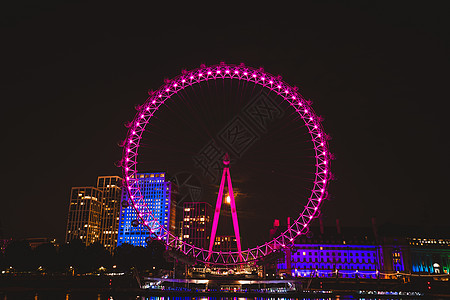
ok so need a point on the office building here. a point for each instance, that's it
(36, 242)
(430, 255)
(94, 212)
(196, 225)
(111, 195)
(325, 259)
(85, 211)
(225, 243)
(346, 253)
(362, 253)
(159, 197)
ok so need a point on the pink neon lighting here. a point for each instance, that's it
(225, 175)
(216, 215)
(234, 213)
(255, 76)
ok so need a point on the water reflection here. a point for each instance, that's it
(130, 296)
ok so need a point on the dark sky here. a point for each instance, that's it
(378, 74)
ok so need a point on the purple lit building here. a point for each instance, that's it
(347, 253)
(325, 260)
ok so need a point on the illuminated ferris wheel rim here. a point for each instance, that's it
(237, 72)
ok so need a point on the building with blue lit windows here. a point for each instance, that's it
(159, 197)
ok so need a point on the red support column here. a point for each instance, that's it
(225, 175)
(216, 214)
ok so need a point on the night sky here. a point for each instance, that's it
(72, 74)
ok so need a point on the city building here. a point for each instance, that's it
(196, 224)
(111, 195)
(344, 252)
(4, 244)
(363, 253)
(85, 211)
(396, 254)
(36, 242)
(430, 255)
(159, 196)
(225, 243)
(94, 212)
(324, 260)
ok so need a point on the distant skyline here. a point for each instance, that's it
(377, 73)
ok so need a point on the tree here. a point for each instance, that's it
(45, 255)
(18, 254)
(72, 255)
(123, 256)
(97, 256)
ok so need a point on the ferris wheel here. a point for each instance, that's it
(245, 75)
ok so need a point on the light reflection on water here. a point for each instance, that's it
(103, 296)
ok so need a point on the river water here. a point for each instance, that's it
(42, 295)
